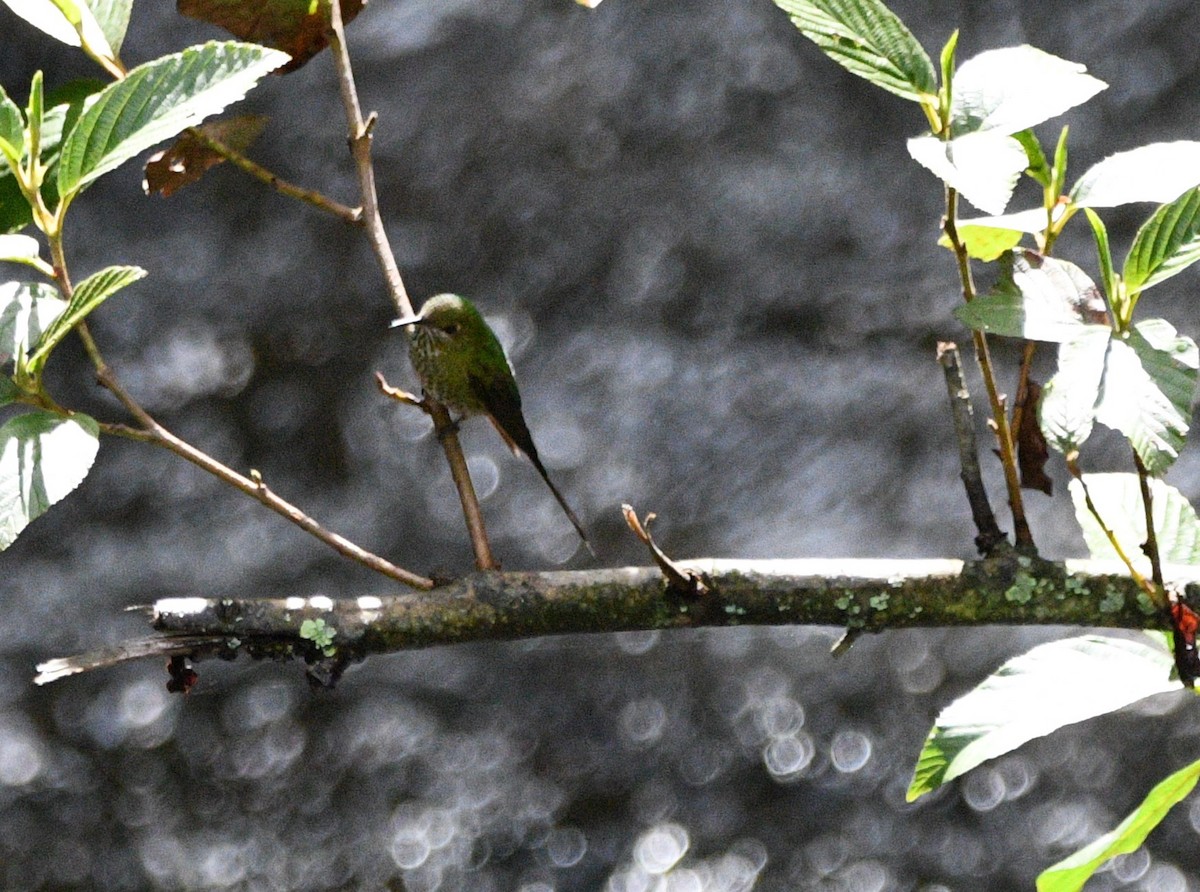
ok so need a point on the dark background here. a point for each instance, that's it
(715, 268)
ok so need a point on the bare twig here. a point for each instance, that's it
(988, 533)
(1004, 437)
(360, 150)
(1150, 546)
(280, 185)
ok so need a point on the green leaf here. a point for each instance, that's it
(1103, 254)
(15, 213)
(8, 391)
(984, 243)
(1058, 173)
(1055, 684)
(26, 310)
(1149, 378)
(1067, 409)
(46, 17)
(1118, 498)
(89, 294)
(113, 17)
(1072, 872)
(1039, 299)
(42, 458)
(1012, 89)
(868, 39)
(18, 248)
(984, 167)
(12, 131)
(157, 101)
(1166, 244)
(1159, 172)
(1039, 167)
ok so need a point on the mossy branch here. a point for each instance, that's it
(860, 595)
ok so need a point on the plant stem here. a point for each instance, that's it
(1004, 438)
(1151, 545)
(350, 215)
(360, 150)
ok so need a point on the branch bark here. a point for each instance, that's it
(859, 595)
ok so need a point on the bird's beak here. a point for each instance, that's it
(412, 319)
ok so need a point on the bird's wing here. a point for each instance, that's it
(503, 404)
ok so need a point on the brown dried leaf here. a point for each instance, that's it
(188, 158)
(295, 26)
(1032, 452)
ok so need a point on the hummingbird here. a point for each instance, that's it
(461, 364)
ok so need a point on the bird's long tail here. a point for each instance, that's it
(563, 502)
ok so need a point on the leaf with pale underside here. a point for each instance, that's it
(983, 167)
(42, 458)
(1053, 685)
(1118, 499)
(1159, 172)
(27, 309)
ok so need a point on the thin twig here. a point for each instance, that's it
(989, 535)
(316, 199)
(1004, 437)
(1150, 547)
(360, 150)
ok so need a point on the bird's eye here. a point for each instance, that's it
(451, 329)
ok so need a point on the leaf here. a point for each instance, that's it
(1072, 872)
(1012, 89)
(42, 458)
(984, 243)
(26, 310)
(1159, 172)
(188, 159)
(47, 18)
(113, 17)
(8, 391)
(1039, 299)
(1118, 499)
(293, 26)
(1032, 452)
(1039, 167)
(1032, 221)
(1146, 393)
(1055, 684)
(12, 130)
(984, 167)
(1104, 256)
(18, 248)
(1067, 411)
(89, 294)
(157, 101)
(868, 39)
(15, 213)
(1166, 244)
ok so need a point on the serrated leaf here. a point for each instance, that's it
(157, 101)
(298, 27)
(26, 310)
(1067, 410)
(42, 458)
(1070, 874)
(1118, 498)
(1146, 394)
(1166, 244)
(868, 39)
(1040, 299)
(1012, 89)
(1159, 172)
(89, 294)
(983, 167)
(1053, 685)
(18, 248)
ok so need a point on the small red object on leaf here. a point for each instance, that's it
(1185, 621)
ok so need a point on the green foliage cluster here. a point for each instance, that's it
(1133, 376)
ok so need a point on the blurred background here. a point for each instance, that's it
(714, 267)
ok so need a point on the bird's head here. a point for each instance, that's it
(447, 318)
